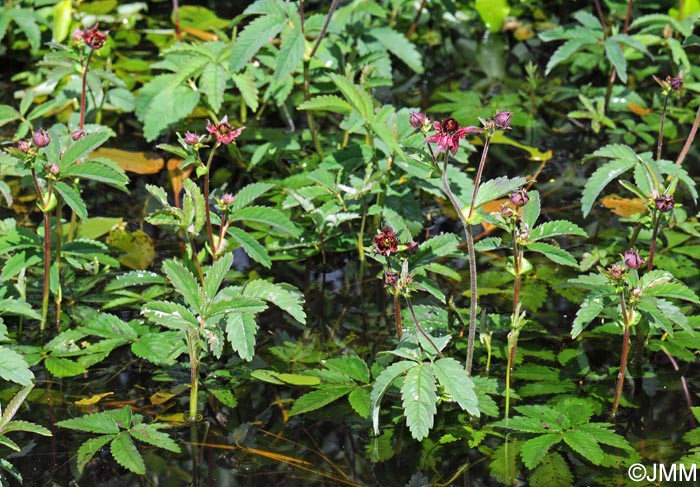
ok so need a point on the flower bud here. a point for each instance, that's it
(675, 83)
(636, 293)
(77, 135)
(519, 198)
(24, 146)
(616, 271)
(41, 138)
(417, 120)
(191, 138)
(78, 36)
(664, 203)
(227, 199)
(632, 259)
(391, 278)
(54, 169)
(412, 247)
(502, 120)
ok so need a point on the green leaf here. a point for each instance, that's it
(285, 299)
(250, 193)
(534, 450)
(531, 210)
(213, 83)
(382, 384)
(267, 216)
(603, 176)
(88, 449)
(492, 12)
(26, 19)
(556, 228)
(148, 433)
(418, 394)
(8, 114)
(675, 289)
(291, 50)
(399, 46)
(125, 453)
(360, 401)
(251, 246)
(82, 147)
(72, 199)
(555, 254)
(6, 442)
(14, 368)
(328, 103)
(356, 96)
(62, 367)
(170, 315)
(13, 406)
(20, 425)
(254, 36)
(100, 423)
(249, 89)
(159, 348)
(589, 310)
(585, 445)
(552, 472)
(350, 365)
(215, 275)
(496, 188)
(184, 283)
(299, 379)
(457, 383)
(565, 52)
(614, 53)
(164, 101)
(240, 331)
(319, 398)
(98, 170)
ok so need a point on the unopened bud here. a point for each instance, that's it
(502, 120)
(41, 138)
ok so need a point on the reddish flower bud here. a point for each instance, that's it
(412, 247)
(24, 146)
(632, 259)
(664, 203)
(227, 199)
(78, 36)
(77, 134)
(417, 120)
(385, 243)
(391, 278)
(502, 120)
(94, 38)
(191, 138)
(507, 211)
(54, 169)
(675, 83)
(41, 138)
(519, 198)
(616, 271)
(225, 134)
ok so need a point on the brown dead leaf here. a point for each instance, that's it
(132, 161)
(624, 206)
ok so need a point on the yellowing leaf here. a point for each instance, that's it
(160, 397)
(200, 34)
(638, 109)
(172, 418)
(624, 206)
(535, 154)
(94, 399)
(139, 250)
(177, 175)
(136, 162)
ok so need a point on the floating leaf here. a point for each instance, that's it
(94, 399)
(131, 161)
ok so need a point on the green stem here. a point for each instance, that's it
(193, 349)
(47, 252)
(654, 235)
(623, 358)
(58, 297)
(195, 258)
(660, 143)
(515, 319)
(311, 122)
(207, 212)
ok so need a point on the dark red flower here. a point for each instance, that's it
(41, 138)
(225, 134)
(676, 82)
(385, 243)
(448, 134)
(502, 120)
(632, 259)
(519, 197)
(94, 38)
(664, 203)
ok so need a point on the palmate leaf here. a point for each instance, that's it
(319, 398)
(149, 433)
(585, 444)
(555, 254)
(589, 310)
(125, 453)
(328, 103)
(419, 397)
(397, 44)
(457, 383)
(240, 331)
(382, 384)
(534, 450)
(251, 246)
(88, 449)
(552, 472)
(254, 36)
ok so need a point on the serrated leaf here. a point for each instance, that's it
(360, 401)
(496, 188)
(126, 454)
(6, 442)
(8, 114)
(251, 247)
(556, 228)
(168, 107)
(418, 394)
(555, 254)
(215, 275)
(72, 199)
(62, 367)
(170, 315)
(285, 299)
(213, 83)
(350, 365)
(88, 449)
(82, 147)
(397, 44)
(184, 283)
(603, 176)
(13, 406)
(160, 348)
(249, 89)
(329, 103)
(589, 310)
(614, 53)
(533, 451)
(98, 170)
(531, 210)
(356, 96)
(148, 433)
(382, 384)
(674, 289)
(319, 398)
(267, 216)
(585, 445)
(21, 425)
(240, 331)
(457, 383)
(291, 49)
(564, 52)
(249, 193)
(552, 472)
(100, 423)
(254, 36)
(14, 367)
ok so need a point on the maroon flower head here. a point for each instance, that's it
(676, 82)
(417, 120)
(412, 247)
(225, 134)
(664, 203)
(24, 146)
(502, 120)
(632, 259)
(448, 134)
(77, 134)
(616, 271)
(385, 243)
(94, 38)
(227, 199)
(41, 138)
(391, 278)
(191, 138)
(519, 198)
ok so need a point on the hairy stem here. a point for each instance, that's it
(397, 316)
(420, 328)
(207, 211)
(654, 236)
(176, 17)
(690, 139)
(416, 18)
(660, 143)
(623, 358)
(83, 92)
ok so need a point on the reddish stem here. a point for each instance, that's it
(83, 93)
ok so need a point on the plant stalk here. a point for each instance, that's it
(654, 237)
(83, 93)
(690, 139)
(420, 328)
(207, 211)
(660, 143)
(623, 358)
(47, 253)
